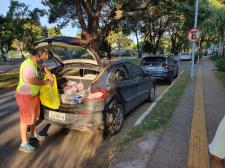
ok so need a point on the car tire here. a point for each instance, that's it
(169, 80)
(115, 119)
(151, 96)
(176, 74)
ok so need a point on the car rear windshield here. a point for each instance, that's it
(185, 54)
(72, 52)
(153, 60)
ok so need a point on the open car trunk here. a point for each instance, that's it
(80, 66)
(73, 82)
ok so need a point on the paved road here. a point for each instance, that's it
(15, 67)
(62, 148)
(8, 67)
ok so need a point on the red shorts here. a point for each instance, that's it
(29, 107)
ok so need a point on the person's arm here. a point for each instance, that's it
(35, 81)
(29, 76)
(46, 71)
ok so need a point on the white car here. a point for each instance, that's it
(185, 57)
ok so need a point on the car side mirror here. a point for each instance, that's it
(175, 61)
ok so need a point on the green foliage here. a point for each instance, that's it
(213, 28)
(78, 35)
(94, 18)
(221, 77)
(21, 27)
(147, 47)
(220, 64)
(6, 35)
(54, 32)
(217, 3)
(118, 40)
(162, 25)
(219, 61)
(165, 45)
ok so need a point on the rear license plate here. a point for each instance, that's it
(57, 115)
(152, 68)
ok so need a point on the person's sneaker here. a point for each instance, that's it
(38, 137)
(26, 148)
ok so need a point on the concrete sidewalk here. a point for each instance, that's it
(172, 146)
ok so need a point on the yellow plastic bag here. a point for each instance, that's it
(49, 95)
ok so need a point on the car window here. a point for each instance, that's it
(119, 74)
(134, 71)
(73, 52)
(153, 61)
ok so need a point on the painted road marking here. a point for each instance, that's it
(145, 114)
(198, 145)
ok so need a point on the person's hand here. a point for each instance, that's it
(49, 82)
(49, 77)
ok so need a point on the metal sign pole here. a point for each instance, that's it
(193, 44)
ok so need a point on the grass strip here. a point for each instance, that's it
(221, 76)
(219, 73)
(161, 113)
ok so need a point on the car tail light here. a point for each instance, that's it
(164, 65)
(97, 94)
(84, 113)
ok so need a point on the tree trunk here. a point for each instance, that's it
(173, 46)
(3, 56)
(138, 47)
(223, 49)
(21, 52)
(109, 48)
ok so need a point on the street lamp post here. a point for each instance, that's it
(193, 44)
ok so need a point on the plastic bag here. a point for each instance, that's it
(72, 87)
(49, 95)
(80, 86)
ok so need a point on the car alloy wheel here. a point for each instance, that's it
(117, 118)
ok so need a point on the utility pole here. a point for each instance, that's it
(193, 44)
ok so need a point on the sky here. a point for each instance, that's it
(67, 31)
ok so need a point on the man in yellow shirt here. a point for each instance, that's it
(27, 95)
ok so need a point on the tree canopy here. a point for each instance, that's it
(158, 25)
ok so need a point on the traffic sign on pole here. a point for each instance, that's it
(193, 35)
